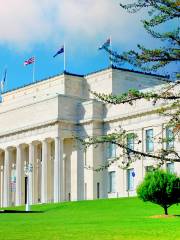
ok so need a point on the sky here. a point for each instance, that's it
(40, 27)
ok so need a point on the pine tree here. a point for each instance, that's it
(160, 12)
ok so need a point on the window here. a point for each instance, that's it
(149, 169)
(149, 140)
(13, 180)
(169, 138)
(130, 142)
(130, 179)
(111, 150)
(112, 187)
(170, 167)
(85, 158)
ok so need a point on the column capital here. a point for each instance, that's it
(19, 146)
(31, 145)
(7, 152)
(45, 140)
(57, 137)
(7, 149)
(60, 138)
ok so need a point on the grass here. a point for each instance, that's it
(110, 219)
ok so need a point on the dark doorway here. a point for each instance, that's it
(25, 192)
(98, 190)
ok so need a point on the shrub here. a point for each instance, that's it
(161, 188)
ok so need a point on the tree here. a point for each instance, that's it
(160, 12)
(161, 188)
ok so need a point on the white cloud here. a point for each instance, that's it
(25, 23)
(92, 17)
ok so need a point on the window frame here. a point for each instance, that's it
(130, 136)
(149, 168)
(130, 185)
(170, 169)
(149, 141)
(111, 150)
(170, 140)
(112, 182)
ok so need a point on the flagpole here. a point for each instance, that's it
(1, 86)
(6, 79)
(64, 57)
(33, 71)
(111, 50)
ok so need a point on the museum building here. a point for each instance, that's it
(39, 124)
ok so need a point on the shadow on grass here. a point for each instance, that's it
(18, 211)
(165, 216)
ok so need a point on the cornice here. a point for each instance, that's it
(89, 120)
(36, 126)
(126, 116)
(81, 100)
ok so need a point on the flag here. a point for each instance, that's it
(61, 50)
(29, 61)
(106, 44)
(3, 80)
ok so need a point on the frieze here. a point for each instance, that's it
(28, 133)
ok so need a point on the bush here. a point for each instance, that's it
(161, 188)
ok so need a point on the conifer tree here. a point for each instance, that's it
(160, 12)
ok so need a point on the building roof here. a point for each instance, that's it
(166, 78)
(163, 77)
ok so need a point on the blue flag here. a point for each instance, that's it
(3, 80)
(106, 44)
(61, 50)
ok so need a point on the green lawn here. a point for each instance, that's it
(113, 219)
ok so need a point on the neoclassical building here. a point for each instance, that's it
(38, 128)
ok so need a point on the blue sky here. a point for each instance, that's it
(39, 27)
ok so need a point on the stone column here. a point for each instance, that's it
(58, 170)
(35, 173)
(19, 166)
(6, 201)
(44, 185)
(1, 179)
(77, 173)
(31, 174)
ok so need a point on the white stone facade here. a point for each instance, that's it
(38, 125)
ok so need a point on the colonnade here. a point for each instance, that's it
(45, 179)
